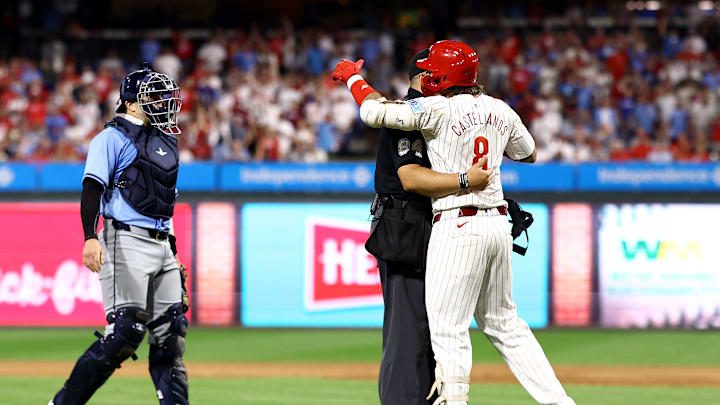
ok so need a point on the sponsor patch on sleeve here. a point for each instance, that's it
(417, 107)
(403, 146)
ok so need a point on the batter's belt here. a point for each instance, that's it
(470, 212)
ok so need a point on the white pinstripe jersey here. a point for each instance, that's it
(462, 129)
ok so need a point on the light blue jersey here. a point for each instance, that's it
(109, 154)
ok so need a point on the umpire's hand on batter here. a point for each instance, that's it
(93, 255)
(478, 178)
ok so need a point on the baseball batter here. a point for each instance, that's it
(469, 258)
(130, 177)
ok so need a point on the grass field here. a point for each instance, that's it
(678, 351)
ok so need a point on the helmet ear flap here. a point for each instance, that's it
(428, 86)
(432, 85)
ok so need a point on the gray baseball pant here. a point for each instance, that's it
(138, 271)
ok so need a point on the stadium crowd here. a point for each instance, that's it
(586, 95)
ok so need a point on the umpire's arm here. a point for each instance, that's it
(421, 180)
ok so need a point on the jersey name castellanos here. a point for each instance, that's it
(459, 131)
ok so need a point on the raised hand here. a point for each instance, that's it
(345, 69)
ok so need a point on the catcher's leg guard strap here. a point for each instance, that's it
(105, 355)
(166, 364)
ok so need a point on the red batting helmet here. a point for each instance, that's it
(450, 63)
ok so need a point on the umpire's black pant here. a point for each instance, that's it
(407, 370)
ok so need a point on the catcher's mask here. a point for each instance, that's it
(159, 98)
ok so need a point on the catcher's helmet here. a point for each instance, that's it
(158, 96)
(130, 85)
(450, 63)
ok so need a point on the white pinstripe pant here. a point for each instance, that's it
(469, 272)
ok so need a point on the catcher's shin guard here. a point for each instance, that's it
(105, 355)
(166, 364)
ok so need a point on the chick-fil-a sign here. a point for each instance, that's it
(42, 278)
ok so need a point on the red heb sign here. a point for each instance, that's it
(339, 272)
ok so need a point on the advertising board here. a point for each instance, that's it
(658, 265)
(305, 265)
(43, 281)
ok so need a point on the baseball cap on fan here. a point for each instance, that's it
(413, 70)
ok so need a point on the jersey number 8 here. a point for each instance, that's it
(478, 153)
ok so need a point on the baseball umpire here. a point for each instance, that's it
(129, 179)
(401, 227)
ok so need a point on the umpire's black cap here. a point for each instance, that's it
(413, 70)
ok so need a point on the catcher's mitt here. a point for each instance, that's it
(183, 279)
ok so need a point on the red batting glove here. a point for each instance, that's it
(345, 69)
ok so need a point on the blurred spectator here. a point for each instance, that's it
(666, 101)
(661, 149)
(618, 152)
(645, 113)
(85, 116)
(520, 77)
(53, 56)
(168, 62)
(184, 48)
(701, 153)
(316, 59)
(56, 123)
(703, 110)
(112, 62)
(213, 54)
(149, 49)
(672, 44)
(679, 121)
(641, 147)
(606, 116)
(682, 150)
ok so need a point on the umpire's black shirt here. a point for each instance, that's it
(399, 148)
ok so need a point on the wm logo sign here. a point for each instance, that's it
(661, 250)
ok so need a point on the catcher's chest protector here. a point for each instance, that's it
(148, 184)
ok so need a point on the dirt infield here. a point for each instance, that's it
(482, 373)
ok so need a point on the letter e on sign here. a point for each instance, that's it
(339, 272)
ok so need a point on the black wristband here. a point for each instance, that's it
(463, 180)
(88, 237)
(173, 247)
